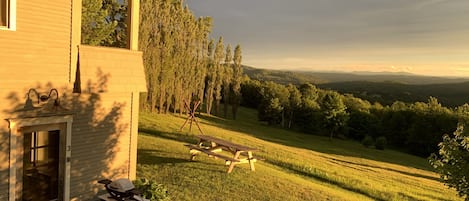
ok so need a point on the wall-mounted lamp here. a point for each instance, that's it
(44, 98)
(29, 102)
(40, 98)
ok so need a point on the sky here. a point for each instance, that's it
(427, 37)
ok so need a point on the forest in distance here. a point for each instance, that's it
(427, 128)
(416, 128)
(384, 87)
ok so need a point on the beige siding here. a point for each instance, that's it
(105, 149)
(126, 67)
(104, 130)
(100, 141)
(37, 52)
(4, 146)
(39, 49)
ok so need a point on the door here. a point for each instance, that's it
(41, 151)
(42, 163)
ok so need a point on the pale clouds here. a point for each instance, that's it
(324, 34)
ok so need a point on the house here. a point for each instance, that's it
(68, 112)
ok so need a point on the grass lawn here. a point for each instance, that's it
(297, 166)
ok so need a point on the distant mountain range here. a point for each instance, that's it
(382, 87)
(316, 77)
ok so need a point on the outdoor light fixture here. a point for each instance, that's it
(44, 98)
(41, 98)
(29, 103)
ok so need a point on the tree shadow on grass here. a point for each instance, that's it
(342, 162)
(151, 157)
(300, 140)
(169, 136)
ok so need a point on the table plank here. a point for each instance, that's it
(225, 143)
(208, 152)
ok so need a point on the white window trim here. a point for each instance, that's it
(15, 125)
(12, 19)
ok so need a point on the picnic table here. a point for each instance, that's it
(213, 147)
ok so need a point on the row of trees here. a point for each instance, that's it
(182, 64)
(416, 128)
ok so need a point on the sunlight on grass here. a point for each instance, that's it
(297, 166)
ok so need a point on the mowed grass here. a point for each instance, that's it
(296, 166)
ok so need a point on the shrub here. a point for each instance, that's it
(367, 141)
(381, 143)
(452, 160)
(152, 190)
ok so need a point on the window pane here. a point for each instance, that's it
(3, 12)
(42, 155)
(42, 138)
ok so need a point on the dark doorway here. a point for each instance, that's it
(41, 165)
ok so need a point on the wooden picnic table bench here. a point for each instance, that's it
(212, 146)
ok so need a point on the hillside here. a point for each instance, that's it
(452, 94)
(384, 88)
(299, 77)
(297, 166)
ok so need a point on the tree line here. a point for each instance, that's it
(416, 128)
(183, 65)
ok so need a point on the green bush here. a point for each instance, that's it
(367, 141)
(381, 143)
(152, 190)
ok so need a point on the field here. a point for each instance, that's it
(296, 166)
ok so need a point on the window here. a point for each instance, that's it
(43, 147)
(3, 13)
(8, 14)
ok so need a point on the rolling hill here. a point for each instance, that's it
(451, 95)
(299, 77)
(384, 88)
(296, 166)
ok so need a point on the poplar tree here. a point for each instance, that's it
(218, 58)
(236, 83)
(181, 63)
(227, 78)
(165, 19)
(149, 43)
(203, 29)
(211, 77)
